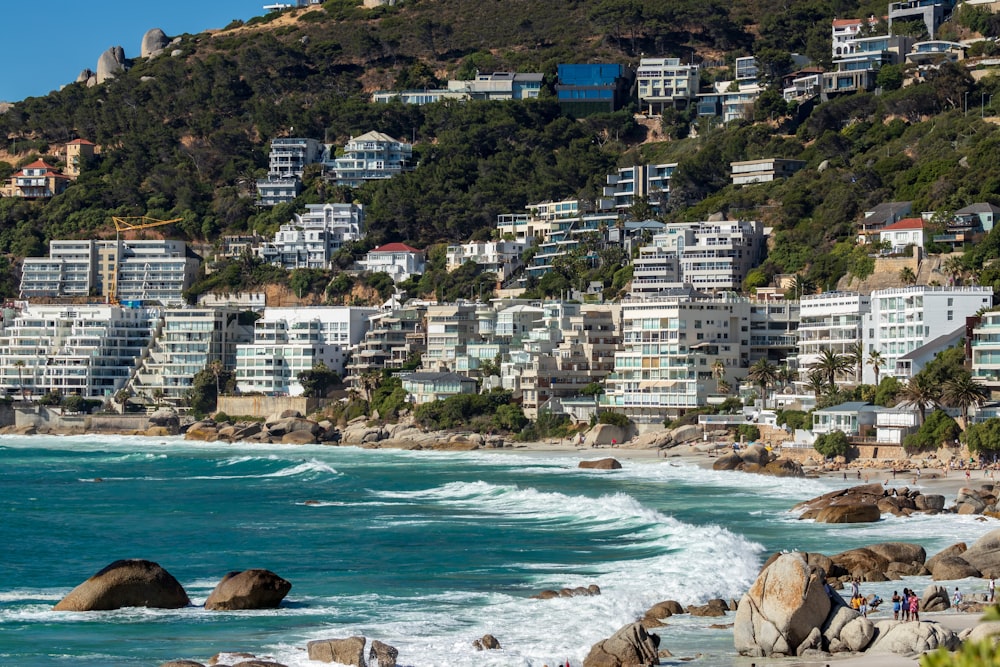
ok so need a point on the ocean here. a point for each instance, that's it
(425, 551)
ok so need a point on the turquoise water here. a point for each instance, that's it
(424, 551)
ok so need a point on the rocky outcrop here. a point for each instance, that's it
(601, 464)
(153, 43)
(384, 655)
(485, 643)
(711, 608)
(605, 435)
(757, 459)
(349, 651)
(126, 583)
(167, 419)
(899, 502)
(935, 598)
(849, 513)
(631, 646)
(951, 568)
(984, 554)
(250, 589)
(579, 591)
(181, 663)
(908, 638)
(110, 64)
(779, 612)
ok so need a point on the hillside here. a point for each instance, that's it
(186, 136)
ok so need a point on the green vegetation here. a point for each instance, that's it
(833, 443)
(936, 430)
(794, 419)
(317, 382)
(983, 437)
(747, 433)
(479, 412)
(614, 419)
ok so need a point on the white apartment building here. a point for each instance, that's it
(669, 349)
(87, 350)
(129, 270)
(500, 257)
(844, 31)
(288, 341)
(986, 351)
(369, 157)
(450, 328)
(830, 321)
(285, 165)
(763, 171)
(712, 255)
(903, 319)
(647, 183)
(399, 260)
(312, 238)
(188, 340)
(665, 82)
(908, 231)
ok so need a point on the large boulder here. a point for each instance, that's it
(728, 462)
(857, 634)
(686, 433)
(665, 609)
(935, 598)
(153, 43)
(780, 610)
(911, 638)
(954, 550)
(756, 454)
(250, 589)
(166, 418)
(605, 435)
(838, 618)
(859, 562)
(291, 425)
(629, 647)
(929, 502)
(299, 438)
(899, 552)
(110, 63)
(988, 630)
(984, 554)
(849, 513)
(382, 654)
(601, 464)
(350, 651)
(783, 468)
(951, 568)
(126, 583)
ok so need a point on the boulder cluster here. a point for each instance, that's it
(757, 459)
(868, 502)
(579, 591)
(142, 583)
(791, 611)
(288, 427)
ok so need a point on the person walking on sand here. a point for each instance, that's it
(855, 588)
(957, 597)
(895, 605)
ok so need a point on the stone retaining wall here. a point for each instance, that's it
(264, 406)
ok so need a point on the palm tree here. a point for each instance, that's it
(763, 373)
(831, 364)
(724, 387)
(907, 275)
(876, 361)
(19, 364)
(856, 356)
(953, 267)
(963, 392)
(920, 392)
(216, 367)
(719, 373)
(802, 285)
(817, 383)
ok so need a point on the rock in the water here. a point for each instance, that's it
(984, 554)
(628, 647)
(153, 42)
(126, 583)
(486, 643)
(728, 462)
(111, 63)
(711, 608)
(781, 609)
(601, 464)
(250, 589)
(951, 568)
(954, 550)
(350, 651)
(783, 468)
(899, 552)
(912, 638)
(182, 663)
(665, 609)
(382, 654)
(852, 513)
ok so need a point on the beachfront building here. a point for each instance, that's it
(187, 341)
(852, 418)
(883, 215)
(985, 347)
(426, 387)
(371, 156)
(711, 255)
(70, 270)
(313, 237)
(665, 83)
(87, 350)
(450, 328)
(398, 260)
(393, 339)
(830, 321)
(288, 341)
(903, 319)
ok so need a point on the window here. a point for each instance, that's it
(951, 314)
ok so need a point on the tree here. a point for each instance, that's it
(953, 267)
(817, 383)
(984, 436)
(317, 382)
(831, 364)
(856, 356)
(719, 373)
(215, 367)
(937, 430)
(19, 364)
(876, 361)
(964, 392)
(920, 393)
(907, 275)
(834, 443)
(890, 77)
(763, 374)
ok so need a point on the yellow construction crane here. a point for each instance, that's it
(128, 224)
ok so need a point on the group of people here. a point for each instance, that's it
(905, 606)
(860, 603)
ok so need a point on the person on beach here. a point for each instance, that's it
(895, 605)
(906, 604)
(863, 606)
(991, 588)
(957, 597)
(914, 608)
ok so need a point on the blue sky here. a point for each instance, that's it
(45, 44)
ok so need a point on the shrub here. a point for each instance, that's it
(613, 418)
(748, 432)
(832, 444)
(936, 429)
(794, 419)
